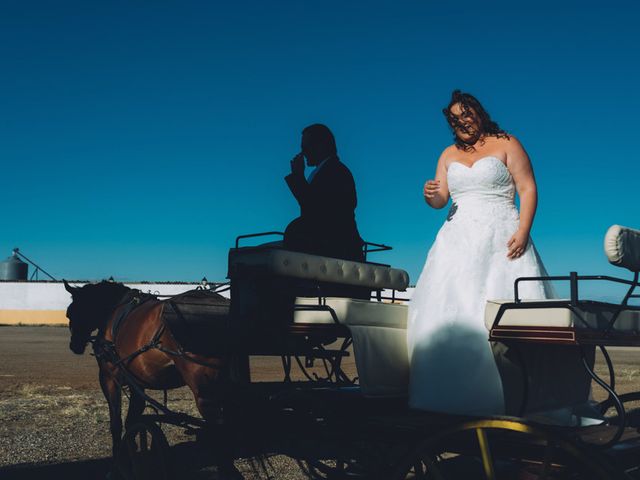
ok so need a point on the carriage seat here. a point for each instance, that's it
(315, 268)
(378, 329)
(270, 286)
(379, 333)
(558, 320)
(583, 321)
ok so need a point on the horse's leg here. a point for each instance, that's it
(136, 407)
(112, 392)
(204, 382)
(208, 389)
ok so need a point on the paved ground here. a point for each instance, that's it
(55, 420)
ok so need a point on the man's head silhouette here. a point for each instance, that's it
(318, 143)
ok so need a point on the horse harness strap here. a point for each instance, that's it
(105, 349)
(134, 302)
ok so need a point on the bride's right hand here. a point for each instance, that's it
(431, 188)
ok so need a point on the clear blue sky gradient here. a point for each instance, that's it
(137, 139)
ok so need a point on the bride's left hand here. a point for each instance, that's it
(517, 244)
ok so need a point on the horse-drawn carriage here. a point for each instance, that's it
(310, 309)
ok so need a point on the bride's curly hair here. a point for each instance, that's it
(487, 126)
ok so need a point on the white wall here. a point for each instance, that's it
(53, 296)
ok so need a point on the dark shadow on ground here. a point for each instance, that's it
(74, 470)
(188, 460)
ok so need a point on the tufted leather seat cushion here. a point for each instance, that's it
(587, 315)
(622, 247)
(315, 267)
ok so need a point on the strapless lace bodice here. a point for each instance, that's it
(485, 187)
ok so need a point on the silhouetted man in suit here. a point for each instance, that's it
(326, 225)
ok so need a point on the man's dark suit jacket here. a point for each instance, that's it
(326, 225)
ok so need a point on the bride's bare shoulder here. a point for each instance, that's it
(450, 148)
(448, 153)
(510, 142)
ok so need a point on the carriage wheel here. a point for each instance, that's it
(144, 453)
(499, 449)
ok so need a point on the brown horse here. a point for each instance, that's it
(118, 347)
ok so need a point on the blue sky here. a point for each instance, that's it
(137, 139)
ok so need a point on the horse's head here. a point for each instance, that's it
(90, 309)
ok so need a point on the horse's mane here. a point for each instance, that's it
(104, 293)
(105, 285)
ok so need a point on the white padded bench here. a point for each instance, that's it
(379, 332)
(557, 321)
(287, 263)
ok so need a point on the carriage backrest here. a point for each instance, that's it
(622, 247)
(286, 263)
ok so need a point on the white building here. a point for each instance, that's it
(46, 302)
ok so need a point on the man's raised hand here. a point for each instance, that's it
(297, 165)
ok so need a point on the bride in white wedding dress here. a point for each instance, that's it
(480, 250)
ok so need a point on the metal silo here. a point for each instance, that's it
(13, 268)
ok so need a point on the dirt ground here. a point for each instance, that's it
(54, 419)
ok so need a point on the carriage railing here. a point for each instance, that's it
(254, 235)
(573, 278)
(375, 295)
(367, 247)
(378, 247)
